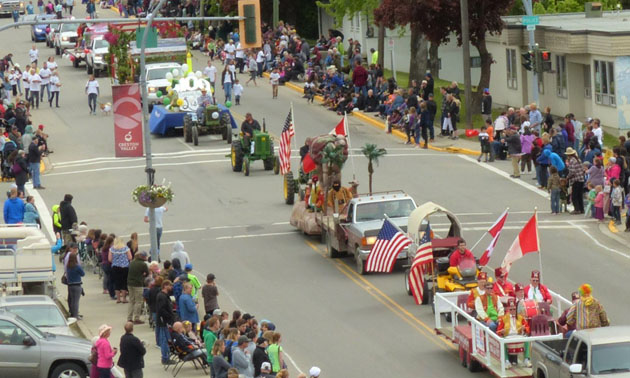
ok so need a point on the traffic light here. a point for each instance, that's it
(528, 61)
(250, 27)
(545, 60)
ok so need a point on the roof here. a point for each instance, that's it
(25, 300)
(610, 22)
(606, 335)
(381, 196)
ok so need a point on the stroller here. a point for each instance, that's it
(9, 147)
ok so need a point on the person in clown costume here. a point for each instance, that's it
(587, 312)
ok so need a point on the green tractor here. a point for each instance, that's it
(260, 148)
(214, 122)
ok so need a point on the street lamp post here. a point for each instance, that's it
(155, 253)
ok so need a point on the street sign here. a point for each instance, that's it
(531, 20)
(390, 43)
(531, 27)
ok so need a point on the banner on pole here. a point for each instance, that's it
(127, 110)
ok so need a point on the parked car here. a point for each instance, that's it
(25, 351)
(39, 310)
(39, 31)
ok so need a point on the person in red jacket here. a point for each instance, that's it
(502, 287)
(460, 254)
(537, 291)
(359, 79)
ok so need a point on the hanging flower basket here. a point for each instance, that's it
(153, 196)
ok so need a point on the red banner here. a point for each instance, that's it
(127, 120)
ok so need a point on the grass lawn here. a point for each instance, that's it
(402, 78)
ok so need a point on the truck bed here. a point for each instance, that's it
(556, 346)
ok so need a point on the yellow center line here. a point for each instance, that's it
(385, 300)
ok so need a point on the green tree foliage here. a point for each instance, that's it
(564, 6)
(341, 8)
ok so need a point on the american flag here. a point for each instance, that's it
(285, 144)
(424, 255)
(389, 242)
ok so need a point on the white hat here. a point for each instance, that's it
(526, 124)
(314, 372)
(265, 366)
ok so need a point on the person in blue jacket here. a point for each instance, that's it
(55, 250)
(555, 159)
(187, 307)
(13, 208)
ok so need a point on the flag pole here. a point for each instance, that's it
(484, 234)
(347, 130)
(540, 269)
(292, 125)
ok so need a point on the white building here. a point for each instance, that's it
(590, 74)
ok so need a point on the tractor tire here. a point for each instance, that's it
(359, 263)
(473, 365)
(246, 166)
(89, 68)
(226, 123)
(224, 133)
(237, 156)
(407, 285)
(289, 188)
(268, 163)
(195, 135)
(276, 165)
(57, 51)
(187, 128)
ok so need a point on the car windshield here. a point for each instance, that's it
(30, 327)
(158, 73)
(69, 27)
(39, 315)
(101, 44)
(610, 358)
(377, 210)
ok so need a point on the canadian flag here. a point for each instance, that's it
(340, 129)
(526, 242)
(495, 232)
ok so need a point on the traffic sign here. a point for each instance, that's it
(531, 20)
(390, 43)
(531, 27)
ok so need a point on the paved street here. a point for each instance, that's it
(237, 227)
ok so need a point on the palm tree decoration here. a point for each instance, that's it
(372, 153)
(332, 162)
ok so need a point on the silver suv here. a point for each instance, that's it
(25, 351)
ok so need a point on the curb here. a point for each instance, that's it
(604, 229)
(79, 327)
(399, 134)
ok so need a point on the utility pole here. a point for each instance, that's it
(155, 256)
(532, 47)
(381, 43)
(466, 48)
(276, 13)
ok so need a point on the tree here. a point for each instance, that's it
(415, 14)
(332, 162)
(372, 153)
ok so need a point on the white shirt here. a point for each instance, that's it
(260, 57)
(229, 50)
(227, 77)
(274, 78)
(159, 212)
(45, 74)
(54, 80)
(500, 123)
(240, 53)
(26, 77)
(232, 68)
(211, 73)
(52, 65)
(35, 82)
(92, 86)
(598, 133)
(33, 54)
(13, 78)
(534, 293)
(238, 89)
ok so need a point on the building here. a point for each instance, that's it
(590, 69)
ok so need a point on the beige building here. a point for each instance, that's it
(590, 61)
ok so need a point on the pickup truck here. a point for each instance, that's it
(355, 230)
(95, 58)
(8, 6)
(587, 353)
(65, 37)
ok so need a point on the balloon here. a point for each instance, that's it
(170, 92)
(159, 94)
(168, 76)
(198, 74)
(180, 102)
(215, 115)
(228, 103)
(166, 101)
(169, 88)
(184, 68)
(175, 72)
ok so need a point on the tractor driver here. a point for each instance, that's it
(203, 101)
(248, 126)
(457, 256)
